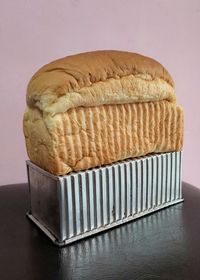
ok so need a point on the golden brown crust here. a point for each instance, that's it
(82, 138)
(97, 78)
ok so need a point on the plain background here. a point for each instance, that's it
(33, 33)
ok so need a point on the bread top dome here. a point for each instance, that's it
(97, 78)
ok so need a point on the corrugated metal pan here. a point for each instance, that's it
(69, 208)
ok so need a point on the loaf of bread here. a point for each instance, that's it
(100, 107)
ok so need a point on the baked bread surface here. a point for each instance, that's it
(98, 78)
(97, 108)
(83, 138)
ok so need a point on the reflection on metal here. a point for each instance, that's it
(69, 208)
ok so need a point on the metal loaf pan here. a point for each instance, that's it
(69, 208)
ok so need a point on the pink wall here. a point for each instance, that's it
(33, 33)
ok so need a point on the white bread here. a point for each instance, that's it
(96, 108)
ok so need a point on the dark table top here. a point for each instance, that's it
(164, 245)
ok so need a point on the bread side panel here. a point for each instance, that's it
(41, 143)
(100, 135)
(87, 137)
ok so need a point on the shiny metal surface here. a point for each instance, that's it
(45, 199)
(101, 198)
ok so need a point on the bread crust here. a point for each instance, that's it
(98, 78)
(82, 138)
(100, 107)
